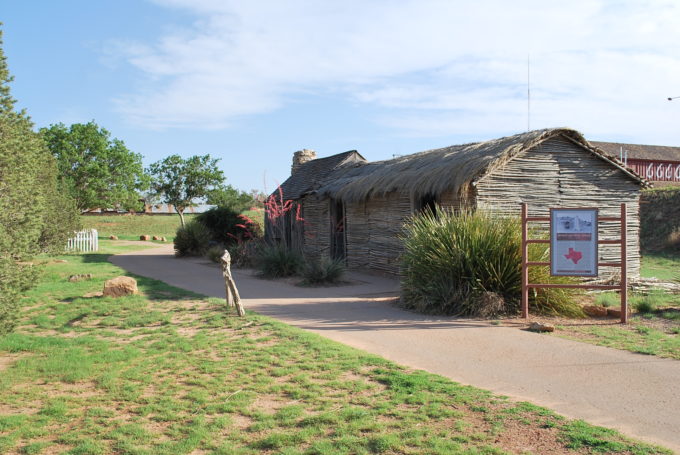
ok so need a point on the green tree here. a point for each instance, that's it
(229, 197)
(35, 215)
(180, 182)
(100, 172)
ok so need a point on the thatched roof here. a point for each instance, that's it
(640, 151)
(439, 170)
(309, 175)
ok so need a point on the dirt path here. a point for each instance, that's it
(636, 394)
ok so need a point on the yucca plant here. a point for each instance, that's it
(276, 261)
(215, 253)
(453, 262)
(322, 271)
(193, 239)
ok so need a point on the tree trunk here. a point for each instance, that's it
(181, 215)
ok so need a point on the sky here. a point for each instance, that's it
(251, 82)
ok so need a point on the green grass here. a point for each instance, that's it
(171, 372)
(654, 327)
(636, 337)
(608, 299)
(664, 266)
(256, 215)
(130, 227)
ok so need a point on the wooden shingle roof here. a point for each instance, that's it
(311, 174)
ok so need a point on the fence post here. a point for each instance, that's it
(624, 265)
(525, 266)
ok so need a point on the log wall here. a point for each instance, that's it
(559, 173)
(316, 224)
(456, 200)
(373, 228)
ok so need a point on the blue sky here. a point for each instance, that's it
(250, 82)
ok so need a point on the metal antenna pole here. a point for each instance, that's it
(528, 93)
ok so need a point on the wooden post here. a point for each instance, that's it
(525, 265)
(624, 265)
(232, 297)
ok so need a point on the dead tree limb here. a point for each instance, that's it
(233, 298)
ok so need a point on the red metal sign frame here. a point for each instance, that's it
(622, 286)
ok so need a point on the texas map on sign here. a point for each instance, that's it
(574, 255)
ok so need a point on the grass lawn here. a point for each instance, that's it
(171, 372)
(130, 227)
(661, 266)
(654, 326)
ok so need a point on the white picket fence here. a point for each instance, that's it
(84, 241)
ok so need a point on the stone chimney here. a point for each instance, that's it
(301, 157)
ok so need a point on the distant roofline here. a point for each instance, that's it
(640, 151)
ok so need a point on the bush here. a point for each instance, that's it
(245, 254)
(648, 303)
(607, 299)
(461, 264)
(228, 227)
(660, 220)
(35, 214)
(323, 271)
(275, 261)
(192, 239)
(215, 253)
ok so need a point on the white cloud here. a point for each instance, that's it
(462, 65)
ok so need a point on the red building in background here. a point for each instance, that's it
(656, 163)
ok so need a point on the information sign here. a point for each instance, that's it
(573, 242)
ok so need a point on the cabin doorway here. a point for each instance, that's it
(337, 216)
(427, 203)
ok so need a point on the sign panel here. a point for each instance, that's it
(573, 242)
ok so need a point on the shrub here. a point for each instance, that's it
(192, 239)
(245, 254)
(461, 264)
(228, 227)
(607, 299)
(323, 271)
(35, 213)
(215, 253)
(275, 261)
(648, 303)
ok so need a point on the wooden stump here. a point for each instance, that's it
(233, 298)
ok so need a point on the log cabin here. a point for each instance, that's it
(353, 210)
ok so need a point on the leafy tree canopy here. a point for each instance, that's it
(180, 181)
(229, 197)
(100, 172)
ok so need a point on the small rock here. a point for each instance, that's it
(155, 237)
(80, 277)
(614, 312)
(93, 294)
(60, 261)
(595, 311)
(113, 237)
(538, 327)
(120, 286)
(163, 239)
(144, 238)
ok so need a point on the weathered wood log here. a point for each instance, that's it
(233, 298)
